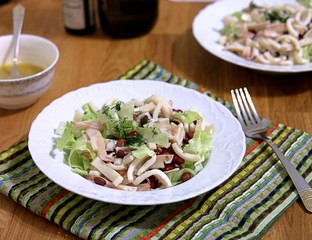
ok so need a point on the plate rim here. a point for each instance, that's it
(125, 202)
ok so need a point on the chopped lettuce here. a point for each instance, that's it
(188, 116)
(67, 139)
(126, 111)
(89, 114)
(229, 30)
(307, 52)
(109, 125)
(80, 154)
(124, 127)
(142, 152)
(154, 135)
(200, 144)
(81, 172)
(238, 15)
(175, 174)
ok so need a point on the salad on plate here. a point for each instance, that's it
(277, 34)
(139, 145)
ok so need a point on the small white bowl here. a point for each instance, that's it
(25, 91)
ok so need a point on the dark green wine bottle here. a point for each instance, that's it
(3, 1)
(79, 16)
(127, 18)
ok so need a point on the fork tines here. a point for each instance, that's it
(245, 109)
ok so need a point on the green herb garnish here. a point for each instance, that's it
(276, 16)
(134, 140)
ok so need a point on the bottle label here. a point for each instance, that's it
(74, 14)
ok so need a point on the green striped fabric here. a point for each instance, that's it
(243, 207)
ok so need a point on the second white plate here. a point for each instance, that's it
(208, 22)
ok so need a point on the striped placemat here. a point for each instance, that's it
(243, 207)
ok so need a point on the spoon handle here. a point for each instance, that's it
(18, 18)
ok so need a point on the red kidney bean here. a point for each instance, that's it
(190, 134)
(153, 181)
(120, 153)
(144, 120)
(177, 159)
(177, 110)
(99, 181)
(186, 176)
(167, 167)
(134, 134)
(185, 140)
(165, 152)
(135, 117)
(158, 150)
(158, 184)
(168, 150)
(120, 143)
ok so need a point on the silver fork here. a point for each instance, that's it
(253, 128)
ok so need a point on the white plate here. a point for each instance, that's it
(228, 151)
(208, 22)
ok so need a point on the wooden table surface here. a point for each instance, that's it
(97, 57)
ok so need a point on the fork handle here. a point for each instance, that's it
(303, 188)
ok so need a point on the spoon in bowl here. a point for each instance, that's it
(18, 18)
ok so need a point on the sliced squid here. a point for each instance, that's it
(96, 124)
(78, 116)
(148, 107)
(166, 108)
(290, 39)
(98, 144)
(146, 165)
(178, 133)
(107, 171)
(290, 27)
(160, 175)
(161, 160)
(304, 16)
(117, 167)
(186, 156)
(157, 111)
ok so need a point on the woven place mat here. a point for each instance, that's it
(243, 207)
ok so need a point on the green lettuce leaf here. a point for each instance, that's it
(78, 160)
(142, 152)
(175, 174)
(154, 135)
(188, 116)
(67, 139)
(89, 114)
(126, 111)
(201, 143)
(307, 52)
(229, 30)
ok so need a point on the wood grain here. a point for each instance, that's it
(98, 57)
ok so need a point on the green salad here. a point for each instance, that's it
(138, 145)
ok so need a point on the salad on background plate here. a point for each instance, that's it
(276, 34)
(265, 35)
